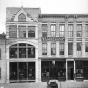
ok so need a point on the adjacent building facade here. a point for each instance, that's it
(38, 47)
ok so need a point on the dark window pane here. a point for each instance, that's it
(13, 70)
(22, 17)
(31, 70)
(70, 48)
(31, 52)
(22, 52)
(13, 53)
(13, 31)
(22, 71)
(31, 31)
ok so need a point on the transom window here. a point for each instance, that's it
(70, 30)
(22, 50)
(86, 30)
(53, 30)
(61, 48)
(44, 30)
(22, 17)
(62, 30)
(13, 31)
(53, 48)
(79, 30)
(44, 48)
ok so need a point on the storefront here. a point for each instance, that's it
(22, 71)
(53, 70)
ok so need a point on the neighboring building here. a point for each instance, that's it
(38, 47)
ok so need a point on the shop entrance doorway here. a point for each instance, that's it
(70, 70)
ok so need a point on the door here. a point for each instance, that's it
(70, 70)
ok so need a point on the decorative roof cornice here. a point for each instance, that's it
(63, 15)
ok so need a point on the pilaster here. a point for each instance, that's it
(57, 48)
(36, 32)
(39, 70)
(48, 30)
(48, 49)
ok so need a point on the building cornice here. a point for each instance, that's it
(63, 16)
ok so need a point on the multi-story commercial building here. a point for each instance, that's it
(38, 47)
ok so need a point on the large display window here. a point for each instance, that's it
(22, 71)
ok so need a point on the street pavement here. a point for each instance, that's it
(67, 84)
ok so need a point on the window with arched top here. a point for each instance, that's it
(22, 17)
(22, 50)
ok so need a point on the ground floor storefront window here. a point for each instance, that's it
(22, 71)
(53, 70)
(82, 69)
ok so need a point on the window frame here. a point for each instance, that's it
(11, 31)
(44, 30)
(70, 47)
(62, 30)
(61, 48)
(53, 48)
(86, 30)
(78, 30)
(22, 17)
(53, 30)
(70, 30)
(79, 48)
(44, 48)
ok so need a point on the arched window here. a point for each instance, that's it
(22, 50)
(22, 17)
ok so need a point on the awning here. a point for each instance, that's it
(81, 59)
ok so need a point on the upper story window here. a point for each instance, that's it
(53, 48)
(70, 48)
(13, 31)
(53, 30)
(44, 30)
(79, 30)
(44, 48)
(0, 53)
(22, 50)
(86, 48)
(22, 31)
(70, 30)
(31, 31)
(61, 48)
(79, 48)
(62, 30)
(86, 30)
(22, 17)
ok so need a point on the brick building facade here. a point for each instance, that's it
(38, 47)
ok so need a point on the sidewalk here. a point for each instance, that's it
(67, 84)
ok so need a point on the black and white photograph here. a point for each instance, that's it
(43, 43)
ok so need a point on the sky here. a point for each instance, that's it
(47, 6)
